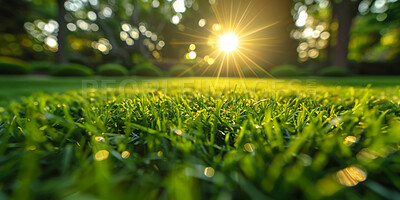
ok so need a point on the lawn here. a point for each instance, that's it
(201, 138)
(14, 88)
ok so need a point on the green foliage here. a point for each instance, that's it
(72, 69)
(146, 69)
(286, 71)
(334, 71)
(112, 70)
(42, 67)
(13, 66)
(181, 71)
(246, 140)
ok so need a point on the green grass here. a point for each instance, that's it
(194, 138)
(14, 88)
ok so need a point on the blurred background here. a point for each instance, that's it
(169, 37)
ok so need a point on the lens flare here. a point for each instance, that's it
(228, 42)
(234, 41)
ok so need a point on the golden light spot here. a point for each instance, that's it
(216, 27)
(129, 41)
(325, 35)
(211, 61)
(228, 42)
(249, 147)
(77, 143)
(303, 54)
(126, 27)
(102, 47)
(178, 132)
(313, 53)
(175, 19)
(134, 34)
(349, 140)
(101, 155)
(125, 154)
(99, 139)
(192, 47)
(209, 172)
(192, 55)
(123, 35)
(202, 22)
(351, 176)
(156, 167)
(51, 42)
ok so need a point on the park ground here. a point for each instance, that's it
(14, 88)
(200, 138)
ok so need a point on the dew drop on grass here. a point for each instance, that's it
(101, 155)
(99, 139)
(349, 140)
(351, 176)
(125, 154)
(249, 147)
(209, 172)
(366, 154)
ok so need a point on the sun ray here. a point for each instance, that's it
(257, 30)
(254, 63)
(255, 55)
(232, 43)
(242, 18)
(221, 66)
(248, 23)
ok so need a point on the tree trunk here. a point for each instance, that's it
(61, 37)
(345, 12)
(136, 22)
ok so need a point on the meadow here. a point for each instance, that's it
(201, 138)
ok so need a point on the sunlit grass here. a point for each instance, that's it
(191, 139)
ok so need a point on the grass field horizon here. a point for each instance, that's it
(201, 138)
(15, 88)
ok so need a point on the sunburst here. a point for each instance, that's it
(234, 42)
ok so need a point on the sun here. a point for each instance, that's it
(233, 43)
(228, 42)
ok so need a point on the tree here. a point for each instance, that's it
(62, 31)
(320, 20)
(119, 28)
(344, 12)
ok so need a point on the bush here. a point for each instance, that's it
(334, 71)
(305, 72)
(286, 71)
(146, 69)
(181, 70)
(13, 66)
(42, 67)
(112, 70)
(72, 70)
